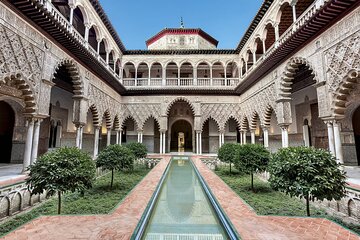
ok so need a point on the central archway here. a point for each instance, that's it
(181, 137)
(7, 122)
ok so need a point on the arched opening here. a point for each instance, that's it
(142, 74)
(186, 74)
(356, 128)
(210, 136)
(250, 59)
(129, 73)
(286, 18)
(151, 135)
(231, 131)
(129, 133)
(63, 7)
(117, 67)
(218, 74)
(255, 126)
(270, 36)
(102, 49)
(259, 48)
(93, 38)
(7, 123)
(243, 67)
(58, 129)
(181, 137)
(172, 74)
(203, 74)
(156, 74)
(181, 120)
(112, 60)
(232, 74)
(78, 21)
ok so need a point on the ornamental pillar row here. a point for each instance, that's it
(285, 135)
(108, 137)
(32, 141)
(330, 130)
(79, 135)
(337, 141)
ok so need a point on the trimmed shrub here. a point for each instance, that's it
(227, 153)
(115, 157)
(138, 149)
(62, 170)
(307, 172)
(252, 158)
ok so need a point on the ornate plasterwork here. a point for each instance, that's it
(17, 55)
(102, 101)
(220, 113)
(341, 59)
(140, 113)
(259, 104)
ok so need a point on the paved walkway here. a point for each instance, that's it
(118, 225)
(251, 226)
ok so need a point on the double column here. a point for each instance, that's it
(140, 136)
(242, 136)
(285, 135)
(334, 136)
(32, 142)
(118, 137)
(162, 142)
(198, 142)
(221, 138)
(79, 135)
(96, 141)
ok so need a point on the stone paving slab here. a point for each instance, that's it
(118, 225)
(251, 226)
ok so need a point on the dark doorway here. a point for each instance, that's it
(356, 127)
(181, 133)
(7, 122)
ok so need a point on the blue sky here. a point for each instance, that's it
(138, 20)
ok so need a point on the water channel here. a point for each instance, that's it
(183, 210)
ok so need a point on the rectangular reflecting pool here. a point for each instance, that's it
(183, 210)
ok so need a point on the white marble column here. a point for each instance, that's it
(141, 137)
(306, 135)
(96, 141)
(81, 136)
(241, 137)
(117, 137)
(161, 143)
(164, 142)
(252, 132)
(331, 137)
(220, 139)
(338, 144)
(200, 142)
(28, 144)
(293, 6)
(78, 132)
(71, 18)
(120, 137)
(35, 146)
(108, 137)
(244, 137)
(197, 143)
(284, 136)
(266, 137)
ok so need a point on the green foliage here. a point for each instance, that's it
(307, 173)
(62, 170)
(227, 153)
(96, 200)
(138, 149)
(252, 158)
(265, 201)
(115, 157)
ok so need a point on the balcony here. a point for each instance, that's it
(139, 83)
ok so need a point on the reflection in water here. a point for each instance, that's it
(183, 210)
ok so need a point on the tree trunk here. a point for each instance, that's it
(252, 182)
(59, 202)
(307, 205)
(112, 178)
(230, 167)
